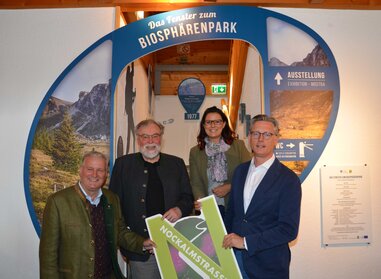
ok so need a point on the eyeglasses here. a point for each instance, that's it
(217, 122)
(257, 134)
(145, 137)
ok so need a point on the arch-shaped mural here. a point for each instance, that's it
(78, 113)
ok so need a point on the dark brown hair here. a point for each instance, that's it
(227, 134)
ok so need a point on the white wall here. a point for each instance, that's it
(37, 45)
(180, 135)
(251, 90)
(140, 105)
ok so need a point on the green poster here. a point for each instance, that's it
(192, 247)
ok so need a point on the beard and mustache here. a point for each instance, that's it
(151, 150)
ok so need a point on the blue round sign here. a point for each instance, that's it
(191, 92)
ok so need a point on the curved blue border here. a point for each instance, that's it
(36, 119)
(335, 87)
(251, 27)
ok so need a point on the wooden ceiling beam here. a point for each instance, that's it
(169, 5)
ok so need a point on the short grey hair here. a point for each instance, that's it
(264, 117)
(96, 154)
(147, 122)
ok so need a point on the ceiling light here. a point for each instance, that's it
(139, 15)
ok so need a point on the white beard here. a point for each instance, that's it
(149, 153)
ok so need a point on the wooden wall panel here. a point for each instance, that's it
(169, 81)
(165, 5)
(209, 52)
(236, 74)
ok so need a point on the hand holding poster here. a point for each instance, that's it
(192, 247)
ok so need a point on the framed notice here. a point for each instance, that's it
(346, 208)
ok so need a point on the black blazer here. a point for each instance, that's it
(129, 181)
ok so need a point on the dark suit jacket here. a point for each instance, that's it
(67, 243)
(270, 222)
(129, 181)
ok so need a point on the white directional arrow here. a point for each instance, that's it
(278, 78)
(290, 145)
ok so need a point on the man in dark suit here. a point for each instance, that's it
(148, 183)
(264, 210)
(83, 226)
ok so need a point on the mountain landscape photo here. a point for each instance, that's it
(66, 130)
(316, 58)
(90, 114)
(302, 114)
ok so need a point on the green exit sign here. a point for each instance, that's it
(218, 89)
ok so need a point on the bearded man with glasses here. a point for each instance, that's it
(264, 210)
(148, 183)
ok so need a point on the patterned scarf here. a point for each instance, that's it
(217, 163)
